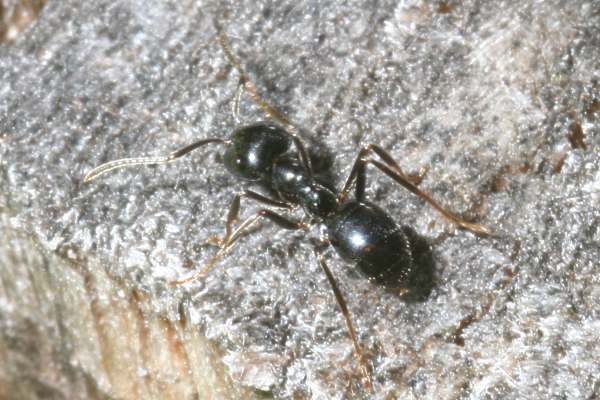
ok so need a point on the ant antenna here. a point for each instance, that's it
(246, 84)
(267, 108)
(129, 162)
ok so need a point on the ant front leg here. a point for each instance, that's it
(232, 236)
(234, 210)
(391, 168)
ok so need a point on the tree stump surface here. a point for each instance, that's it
(497, 102)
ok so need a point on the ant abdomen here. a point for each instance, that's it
(364, 234)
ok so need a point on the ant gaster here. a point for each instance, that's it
(358, 230)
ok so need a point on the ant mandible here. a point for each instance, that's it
(359, 231)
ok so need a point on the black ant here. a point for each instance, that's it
(358, 230)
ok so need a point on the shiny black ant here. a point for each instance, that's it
(275, 157)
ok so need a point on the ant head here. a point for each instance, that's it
(253, 149)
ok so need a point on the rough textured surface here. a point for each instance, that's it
(500, 100)
(16, 16)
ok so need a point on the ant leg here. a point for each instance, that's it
(357, 171)
(392, 169)
(279, 220)
(234, 210)
(268, 109)
(364, 367)
(128, 162)
(475, 228)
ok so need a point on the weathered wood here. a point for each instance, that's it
(497, 101)
(68, 330)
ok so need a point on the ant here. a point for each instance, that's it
(273, 156)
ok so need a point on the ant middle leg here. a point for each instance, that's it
(391, 168)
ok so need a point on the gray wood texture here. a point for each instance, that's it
(497, 101)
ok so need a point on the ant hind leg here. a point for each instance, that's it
(364, 366)
(390, 167)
